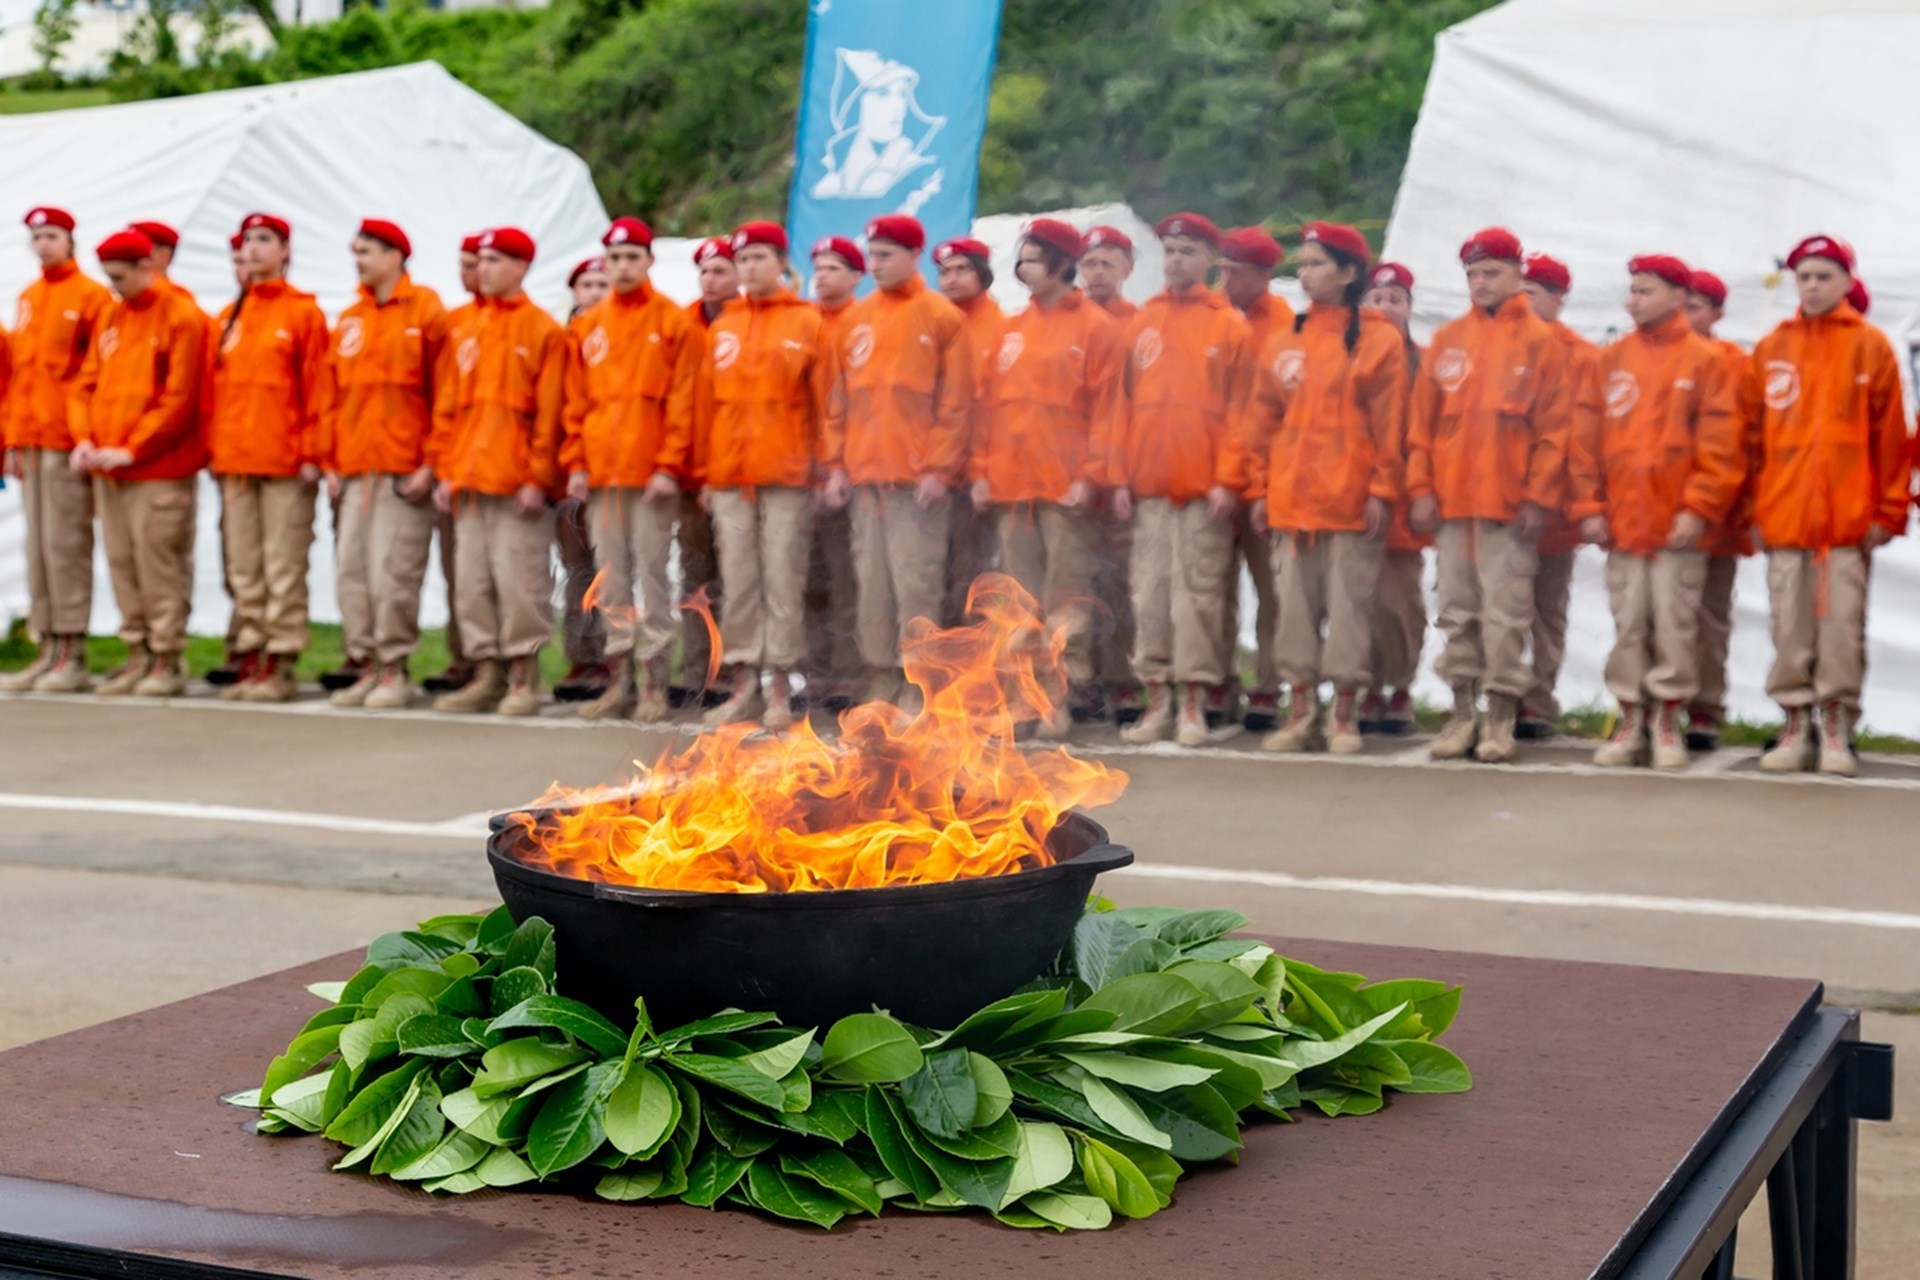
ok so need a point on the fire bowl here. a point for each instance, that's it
(929, 954)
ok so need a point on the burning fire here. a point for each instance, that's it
(894, 800)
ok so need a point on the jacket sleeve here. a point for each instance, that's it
(833, 419)
(1264, 411)
(822, 379)
(310, 358)
(1383, 394)
(1423, 412)
(1105, 372)
(433, 349)
(1237, 361)
(1719, 445)
(1891, 454)
(80, 397)
(702, 412)
(676, 440)
(549, 404)
(1559, 372)
(327, 410)
(1586, 453)
(980, 419)
(1120, 433)
(953, 404)
(573, 419)
(177, 401)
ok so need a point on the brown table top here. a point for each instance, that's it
(1593, 1084)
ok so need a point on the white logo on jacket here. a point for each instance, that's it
(1290, 368)
(468, 355)
(594, 349)
(23, 314)
(109, 343)
(231, 338)
(1146, 349)
(859, 346)
(1782, 383)
(1010, 348)
(726, 349)
(1623, 392)
(351, 338)
(1451, 369)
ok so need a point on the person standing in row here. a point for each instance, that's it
(1324, 436)
(496, 465)
(834, 671)
(1548, 281)
(699, 558)
(1652, 473)
(166, 244)
(583, 629)
(455, 353)
(377, 415)
(1248, 258)
(264, 432)
(1822, 401)
(966, 275)
(1043, 413)
(764, 378)
(134, 411)
(1486, 467)
(895, 445)
(1175, 469)
(1400, 610)
(1105, 266)
(54, 328)
(627, 454)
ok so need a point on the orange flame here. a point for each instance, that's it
(594, 600)
(942, 795)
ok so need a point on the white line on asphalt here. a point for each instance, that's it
(1712, 907)
(466, 828)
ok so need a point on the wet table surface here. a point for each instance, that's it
(1594, 1084)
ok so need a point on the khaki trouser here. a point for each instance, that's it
(762, 536)
(972, 549)
(1485, 605)
(832, 602)
(267, 529)
(1050, 551)
(504, 571)
(1656, 625)
(1253, 548)
(1716, 631)
(59, 508)
(699, 571)
(583, 630)
(1113, 616)
(382, 542)
(1325, 579)
(1399, 620)
(632, 539)
(443, 530)
(147, 527)
(1181, 559)
(1552, 590)
(1819, 626)
(899, 560)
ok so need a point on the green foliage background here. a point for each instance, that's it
(1272, 111)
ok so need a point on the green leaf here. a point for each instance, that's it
(1099, 940)
(368, 1110)
(1117, 1180)
(837, 1174)
(886, 1129)
(462, 928)
(417, 1134)
(1226, 949)
(515, 986)
(568, 1128)
(495, 932)
(712, 1174)
(1433, 1069)
(719, 1025)
(570, 1016)
(1145, 955)
(531, 946)
(779, 1058)
(521, 1062)
(1120, 1111)
(981, 1183)
(869, 1048)
(1056, 1100)
(1235, 1080)
(1043, 1158)
(461, 999)
(834, 1115)
(302, 1103)
(992, 1094)
(990, 1142)
(980, 1030)
(1140, 1073)
(419, 949)
(1192, 928)
(1224, 992)
(475, 1029)
(1200, 1125)
(391, 1118)
(458, 1184)
(941, 1096)
(434, 1035)
(338, 1015)
(1074, 1212)
(731, 1076)
(1161, 1170)
(1431, 1006)
(1373, 1066)
(742, 1137)
(457, 1152)
(798, 1087)
(503, 1168)
(328, 991)
(642, 1112)
(1150, 1003)
(361, 983)
(424, 983)
(306, 1052)
(1313, 1053)
(637, 1185)
(796, 1198)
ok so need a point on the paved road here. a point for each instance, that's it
(151, 852)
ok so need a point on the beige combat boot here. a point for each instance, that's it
(121, 682)
(272, 682)
(21, 681)
(68, 674)
(1496, 732)
(1343, 724)
(1669, 733)
(1193, 715)
(357, 693)
(392, 690)
(1836, 747)
(247, 670)
(1793, 753)
(164, 678)
(1627, 748)
(480, 694)
(620, 697)
(1156, 719)
(779, 716)
(522, 697)
(743, 698)
(1301, 729)
(650, 704)
(1462, 727)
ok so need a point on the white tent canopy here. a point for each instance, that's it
(1719, 130)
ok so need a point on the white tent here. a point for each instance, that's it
(1719, 130)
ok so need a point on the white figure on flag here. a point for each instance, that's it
(880, 134)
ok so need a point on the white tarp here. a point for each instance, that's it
(1719, 130)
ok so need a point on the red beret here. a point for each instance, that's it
(1665, 265)
(1859, 298)
(1109, 238)
(1548, 272)
(582, 267)
(1493, 242)
(1194, 226)
(1832, 248)
(628, 231)
(470, 244)
(1392, 273)
(1060, 235)
(125, 246)
(1339, 238)
(898, 228)
(845, 249)
(235, 240)
(771, 234)
(48, 216)
(158, 232)
(511, 241)
(1253, 246)
(277, 225)
(1709, 286)
(387, 233)
(713, 247)
(962, 245)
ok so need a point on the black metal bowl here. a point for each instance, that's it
(929, 954)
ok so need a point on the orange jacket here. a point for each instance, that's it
(1822, 399)
(1119, 308)
(1325, 428)
(461, 345)
(140, 387)
(1400, 534)
(764, 377)
(1491, 410)
(1663, 440)
(1045, 409)
(985, 322)
(378, 408)
(1184, 387)
(53, 328)
(696, 313)
(833, 323)
(902, 401)
(1562, 536)
(266, 382)
(1735, 537)
(1268, 317)
(630, 391)
(503, 384)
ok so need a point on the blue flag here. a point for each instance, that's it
(893, 106)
